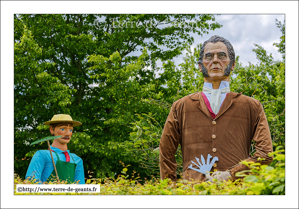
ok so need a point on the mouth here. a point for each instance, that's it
(66, 138)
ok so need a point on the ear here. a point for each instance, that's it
(199, 66)
(52, 130)
(233, 67)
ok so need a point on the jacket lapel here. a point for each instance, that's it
(201, 104)
(228, 101)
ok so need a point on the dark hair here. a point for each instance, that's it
(215, 39)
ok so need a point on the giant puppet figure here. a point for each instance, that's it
(215, 127)
(59, 162)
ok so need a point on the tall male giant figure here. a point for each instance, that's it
(215, 123)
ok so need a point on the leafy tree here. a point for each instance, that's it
(265, 82)
(88, 66)
(281, 44)
(33, 85)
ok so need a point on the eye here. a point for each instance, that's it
(62, 129)
(71, 130)
(209, 56)
(221, 55)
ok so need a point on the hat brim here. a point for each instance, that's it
(74, 123)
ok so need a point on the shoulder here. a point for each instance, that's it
(40, 153)
(254, 103)
(76, 157)
(249, 104)
(40, 156)
(186, 100)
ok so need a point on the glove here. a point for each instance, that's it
(221, 175)
(208, 177)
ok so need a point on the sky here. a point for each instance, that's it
(243, 31)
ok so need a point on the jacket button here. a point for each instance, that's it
(214, 122)
(213, 136)
(215, 165)
(214, 149)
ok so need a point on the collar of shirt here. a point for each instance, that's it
(223, 84)
(57, 150)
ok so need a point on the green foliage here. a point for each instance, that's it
(281, 44)
(83, 65)
(263, 180)
(192, 79)
(145, 138)
(265, 82)
(46, 139)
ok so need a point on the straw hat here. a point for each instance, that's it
(63, 118)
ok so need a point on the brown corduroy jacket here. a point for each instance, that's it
(241, 120)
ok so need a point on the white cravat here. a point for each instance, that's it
(215, 100)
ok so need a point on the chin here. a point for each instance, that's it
(216, 75)
(64, 141)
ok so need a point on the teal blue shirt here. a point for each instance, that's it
(41, 165)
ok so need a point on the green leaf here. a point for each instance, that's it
(278, 189)
(275, 184)
(269, 168)
(45, 139)
(242, 173)
(280, 157)
(251, 178)
(257, 188)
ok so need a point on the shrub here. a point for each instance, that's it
(261, 180)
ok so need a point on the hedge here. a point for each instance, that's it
(259, 180)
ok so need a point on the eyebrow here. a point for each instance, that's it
(214, 53)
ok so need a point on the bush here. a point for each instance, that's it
(261, 180)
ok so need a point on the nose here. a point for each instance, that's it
(215, 58)
(68, 132)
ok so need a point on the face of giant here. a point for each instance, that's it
(216, 62)
(66, 130)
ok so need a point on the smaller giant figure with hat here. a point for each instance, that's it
(57, 162)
